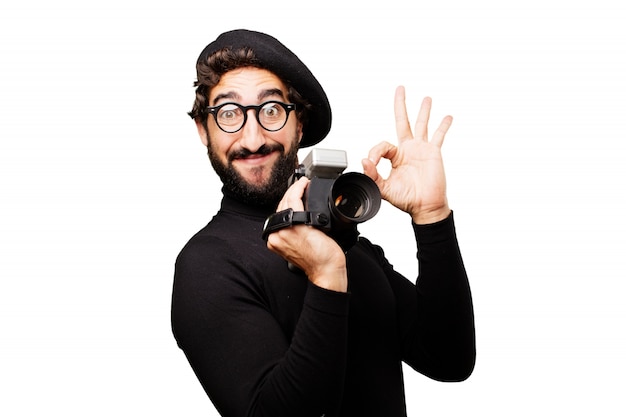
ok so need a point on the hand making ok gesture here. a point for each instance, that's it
(416, 183)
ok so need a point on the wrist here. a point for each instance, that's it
(431, 216)
(331, 277)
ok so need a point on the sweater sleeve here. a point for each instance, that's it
(435, 315)
(239, 352)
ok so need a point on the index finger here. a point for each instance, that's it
(293, 196)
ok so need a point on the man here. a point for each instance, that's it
(329, 339)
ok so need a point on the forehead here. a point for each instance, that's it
(248, 84)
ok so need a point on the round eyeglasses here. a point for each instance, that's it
(271, 115)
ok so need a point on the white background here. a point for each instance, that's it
(103, 179)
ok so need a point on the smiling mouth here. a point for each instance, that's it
(261, 154)
(254, 156)
(255, 160)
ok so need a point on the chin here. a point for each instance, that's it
(257, 176)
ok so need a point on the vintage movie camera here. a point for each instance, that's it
(333, 202)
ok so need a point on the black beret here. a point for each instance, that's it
(277, 58)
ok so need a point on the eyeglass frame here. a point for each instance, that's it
(288, 107)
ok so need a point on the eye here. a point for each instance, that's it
(229, 113)
(272, 111)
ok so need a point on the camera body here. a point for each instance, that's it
(336, 201)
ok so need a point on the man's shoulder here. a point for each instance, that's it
(225, 227)
(222, 239)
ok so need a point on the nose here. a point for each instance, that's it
(252, 137)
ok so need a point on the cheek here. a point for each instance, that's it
(291, 133)
(220, 145)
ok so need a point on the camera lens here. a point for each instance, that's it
(351, 204)
(356, 197)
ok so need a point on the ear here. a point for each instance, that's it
(300, 132)
(204, 137)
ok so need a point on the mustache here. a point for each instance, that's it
(262, 151)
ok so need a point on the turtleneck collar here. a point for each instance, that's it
(231, 203)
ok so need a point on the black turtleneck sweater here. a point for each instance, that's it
(264, 341)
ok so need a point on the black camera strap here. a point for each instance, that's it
(289, 217)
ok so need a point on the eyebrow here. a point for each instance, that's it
(271, 93)
(232, 95)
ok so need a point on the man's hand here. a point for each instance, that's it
(308, 248)
(417, 182)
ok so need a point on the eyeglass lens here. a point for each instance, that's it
(271, 115)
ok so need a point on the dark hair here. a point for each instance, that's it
(211, 69)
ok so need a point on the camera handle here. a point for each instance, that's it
(289, 217)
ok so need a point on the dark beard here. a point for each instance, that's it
(267, 194)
